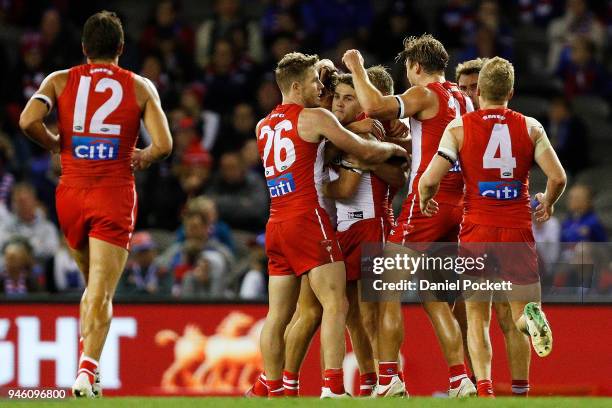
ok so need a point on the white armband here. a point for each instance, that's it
(45, 99)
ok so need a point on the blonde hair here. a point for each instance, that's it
(469, 67)
(496, 80)
(292, 68)
(381, 79)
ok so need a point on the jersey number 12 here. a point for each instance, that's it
(97, 125)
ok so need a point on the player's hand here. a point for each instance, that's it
(353, 60)
(429, 207)
(544, 209)
(398, 129)
(368, 125)
(140, 160)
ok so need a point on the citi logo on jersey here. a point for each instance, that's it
(281, 185)
(500, 190)
(95, 148)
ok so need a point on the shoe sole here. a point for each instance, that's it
(538, 328)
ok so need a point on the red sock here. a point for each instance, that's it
(291, 383)
(386, 371)
(485, 389)
(260, 389)
(456, 374)
(520, 388)
(88, 366)
(275, 388)
(334, 380)
(367, 382)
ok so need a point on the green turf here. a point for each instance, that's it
(154, 402)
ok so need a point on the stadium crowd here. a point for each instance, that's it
(202, 212)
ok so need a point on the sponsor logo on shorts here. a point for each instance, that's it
(281, 185)
(355, 215)
(95, 148)
(500, 190)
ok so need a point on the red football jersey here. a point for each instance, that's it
(495, 158)
(99, 121)
(426, 135)
(293, 167)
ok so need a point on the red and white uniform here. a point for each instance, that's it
(299, 234)
(99, 122)
(362, 219)
(495, 157)
(412, 225)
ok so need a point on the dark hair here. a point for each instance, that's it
(346, 79)
(102, 35)
(425, 50)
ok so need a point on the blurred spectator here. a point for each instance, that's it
(197, 281)
(241, 197)
(60, 47)
(399, 20)
(280, 45)
(253, 284)
(569, 135)
(66, 272)
(30, 221)
(582, 224)
(454, 21)
(251, 158)
(337, 19)
(170, 38)
(152, 68)
(578, 20)
(227, 22)
(7, 180)
(289, 18)
(207, 121)
(538, 12)
(227, 83)
(268, 96)
(194, 172)
(16, 278)
(219, 230)
(143, 275)
(491, 35)
(197, 239)
(580, 72)
(235, 135)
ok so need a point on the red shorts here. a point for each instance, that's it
(297, 245)
(372, 231)
(511, 252)
(414, 226)
(105, 213)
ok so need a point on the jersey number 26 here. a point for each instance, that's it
(274, 139)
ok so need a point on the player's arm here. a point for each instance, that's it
(548, 161)
(38, 107)
(392, 174)
(374, 103)
(157, 125)
(441, 163)
(315, 122)
(344, 186)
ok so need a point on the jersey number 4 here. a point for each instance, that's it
(275, 140)
(97, 125)
(500, 140)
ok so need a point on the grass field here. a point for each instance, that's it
(153, 402)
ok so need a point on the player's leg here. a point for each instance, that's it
(359, 339)
(106, 263)
(449, 336)
(479, 343)
(299, 335)
(518, 350)
(461, 317)
(328, 282)
(283, 293)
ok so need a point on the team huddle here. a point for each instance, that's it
(335, 153)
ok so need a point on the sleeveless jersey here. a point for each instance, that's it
(99, 121)
(426, 135)
(293, 167)
(495, 157)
